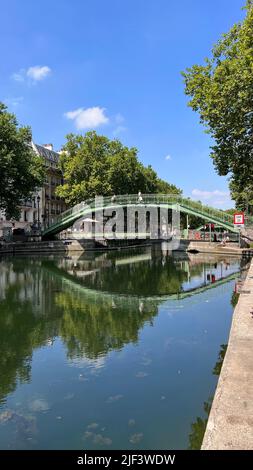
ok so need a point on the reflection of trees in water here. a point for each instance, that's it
(41, 307)
(16, 324)
(198, 428)
(234, 299)
(37, 305)
(95, 329)
(218, 365)
(22, 329)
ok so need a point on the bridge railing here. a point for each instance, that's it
(148, 199)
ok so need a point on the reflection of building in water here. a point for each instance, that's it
(82, 267)
(27, 285)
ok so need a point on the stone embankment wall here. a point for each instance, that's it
(230, 423)
(47, 247)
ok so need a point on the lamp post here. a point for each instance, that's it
(38, 202)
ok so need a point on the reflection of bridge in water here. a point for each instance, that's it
(144, 303)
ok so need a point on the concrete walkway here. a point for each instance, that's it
(230, 424)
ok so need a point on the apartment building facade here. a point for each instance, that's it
(44, 206)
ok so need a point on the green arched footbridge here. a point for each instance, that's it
(169, 201)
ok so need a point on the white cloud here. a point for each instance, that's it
(119, 118)
(88, 118)
(82, 362)
(209, 194)
(38, 72)
(118, 130)
(35, 73)
(118, 121)
(168, 157)
(214, 198)
(19, 76)
(15, 101)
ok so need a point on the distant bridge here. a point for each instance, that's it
(167, 201)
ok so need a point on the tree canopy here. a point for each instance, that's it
(95, 165)
(21, 169)
(221, 91)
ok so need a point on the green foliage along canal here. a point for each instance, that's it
(107, 350)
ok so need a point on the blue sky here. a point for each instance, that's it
(114, 65)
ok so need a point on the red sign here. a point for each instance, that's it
(239, 218)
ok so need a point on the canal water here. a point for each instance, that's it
(116, 350)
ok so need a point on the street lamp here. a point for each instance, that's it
(38, 202)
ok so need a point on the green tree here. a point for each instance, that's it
(95, 165)
(164, 187)
(21, 169)
(221, 91)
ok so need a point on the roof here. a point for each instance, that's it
(47, 154)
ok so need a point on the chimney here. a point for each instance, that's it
(48, 146)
